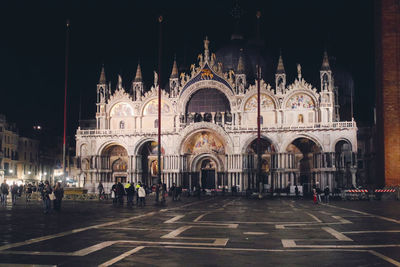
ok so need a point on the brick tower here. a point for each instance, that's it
(388, 91)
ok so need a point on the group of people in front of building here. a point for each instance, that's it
(119, 191)
(317, 195)
(49, 194)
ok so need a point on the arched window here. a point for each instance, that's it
(261, 120)
(122, 125)
(156, 123)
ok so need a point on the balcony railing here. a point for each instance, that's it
(228, 127)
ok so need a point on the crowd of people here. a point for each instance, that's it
(48, 194)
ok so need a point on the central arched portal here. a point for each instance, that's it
(205, 151)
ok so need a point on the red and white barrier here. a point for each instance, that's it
(385, 190)
(357, 191)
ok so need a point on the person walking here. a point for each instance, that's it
(296, 191)
(59, 194)
(326, 193)
(173, 191)
(4, 190)
(46, 191)
(315, 195)
(142, 196)
(100, 188)
(28, 193)
(14, 194)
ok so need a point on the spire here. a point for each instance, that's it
(280, 69)
(119, 82)
(138, 77)
(102, 75)
(240, 67)
(174, 73)
(325, 62)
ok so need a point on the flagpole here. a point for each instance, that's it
(259, 182)
(160, 19)
(65, 95)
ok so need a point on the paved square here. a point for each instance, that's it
(210, 232)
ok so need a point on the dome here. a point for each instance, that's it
(229, 56)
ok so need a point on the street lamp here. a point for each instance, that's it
(10, 171)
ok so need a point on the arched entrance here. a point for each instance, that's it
(114, 162)
(304, 151)
(344, 163)
(147, 165)
(205, 151)
(267, 150)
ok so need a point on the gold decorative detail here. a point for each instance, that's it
(206, 74)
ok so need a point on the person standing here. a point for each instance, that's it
(315, 195)
(130, 192)
(46, 191)
(137, 193)
(296, 191)
(114, 193)
(14, 194)
(142, 196)
(100, 188)
(4, 189)
(326, 193)
(173, 191)
(59, 194)
(120, 193)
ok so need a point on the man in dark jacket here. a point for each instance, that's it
(4, 188)
(120, 193)
(130, 192)
(46, 191)
(326, 193)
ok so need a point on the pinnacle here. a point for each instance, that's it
(280, 69)
(325, 62)
(174, 73)
(102, 79)
(240, 67)
(138, 77)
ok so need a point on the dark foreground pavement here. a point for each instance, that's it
(210, 232)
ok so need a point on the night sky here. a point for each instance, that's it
(119, 33)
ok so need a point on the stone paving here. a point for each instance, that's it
(220, 231)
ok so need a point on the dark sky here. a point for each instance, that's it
(119, 33)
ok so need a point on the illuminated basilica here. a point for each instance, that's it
(209, 129)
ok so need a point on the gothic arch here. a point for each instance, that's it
(315, 139)
(143, 140)
(253, 92)
(107, 144)
(251, 139)
(204, 84)
(165, 99)
(333, 146)
(313, 97)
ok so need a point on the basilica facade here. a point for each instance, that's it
(209, 131)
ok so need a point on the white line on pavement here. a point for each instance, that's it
(369, 214)
(200, 217)
(78, 230)
(314, 217)
(336, 234)
(121, 257)
(373, 231)
(255, 233)
(340, 219)
(287, 243)
(174, 219)
(392, 261)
